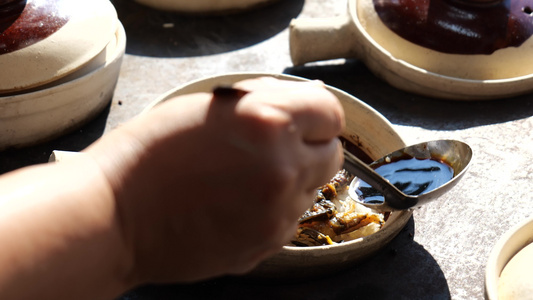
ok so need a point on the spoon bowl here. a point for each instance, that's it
(450, 154)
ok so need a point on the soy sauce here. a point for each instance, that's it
(411, 176)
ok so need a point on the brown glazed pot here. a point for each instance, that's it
(431, 48)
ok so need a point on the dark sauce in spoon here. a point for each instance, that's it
(412, 176)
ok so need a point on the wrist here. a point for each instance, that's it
(69, 223)
(112, 223)
(107, 170)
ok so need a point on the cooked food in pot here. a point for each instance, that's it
(335, 217)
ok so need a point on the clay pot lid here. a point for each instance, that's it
(204, 6)
(459, 26)
(44, 40)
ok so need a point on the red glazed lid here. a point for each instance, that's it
(464, 39)
(459, 26)
(44, 40)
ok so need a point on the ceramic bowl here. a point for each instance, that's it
(367, 129)
(40, 114)
(204, 6)
(509, 244)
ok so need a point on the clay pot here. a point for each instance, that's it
(505, 249)
(366, 128)
(204, 6)
(60, 61)
(429, 47)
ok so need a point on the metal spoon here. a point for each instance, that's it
(455, 154)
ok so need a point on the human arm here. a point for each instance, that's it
(194, 189)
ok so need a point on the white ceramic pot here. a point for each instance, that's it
(60, 61)
(204, 6)
(361, 34)
(367, 129)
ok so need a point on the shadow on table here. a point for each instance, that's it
(404, 108)
(77, 140)
(401, 270)
(158, 33)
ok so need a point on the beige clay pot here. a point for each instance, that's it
(361, 34)
(204, 6)
(88, 28)
(61, 85)
(506, 248)
(366, 128)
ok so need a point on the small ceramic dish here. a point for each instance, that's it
(512, 245)
(60, 62)
(371, 133)
(204, 6)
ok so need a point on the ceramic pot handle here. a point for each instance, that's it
(322, 39)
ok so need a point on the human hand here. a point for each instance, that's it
(208, 186)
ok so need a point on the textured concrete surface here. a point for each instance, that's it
(442, 252)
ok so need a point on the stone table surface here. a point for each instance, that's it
(441, 253)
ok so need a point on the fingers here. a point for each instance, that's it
(316, 113)
(316, 117)
(327, 159)
(319, 164)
